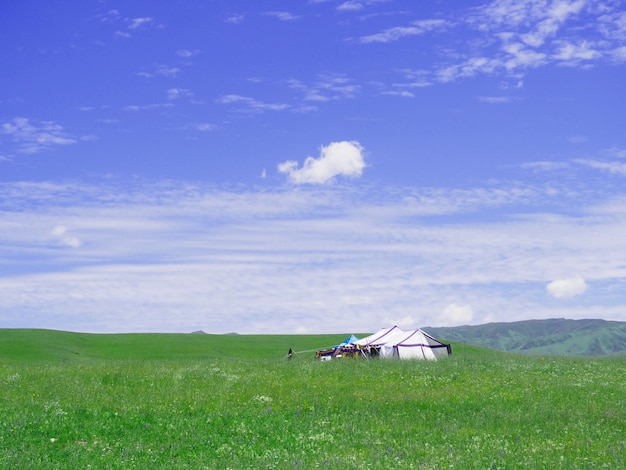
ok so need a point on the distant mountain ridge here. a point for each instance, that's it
(556, 336)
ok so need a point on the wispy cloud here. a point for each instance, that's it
(128, 25)
(178, 93)
(496, 99)
(609, 161)
(137, 23)
(326, 87)
(401, 93)
(248, 104)
(203, 127)
(573, 54)
(538, 18)
(616, 152)
(186, 53)
(160, 70)
(282, 15)
(614, 167)
(545, 166)
(577, 139)
(415, 79)
(350, 5)
(235, 18)
(510, 37)
(148, 107)
(396, 33)
(31, 138)
(467, 68)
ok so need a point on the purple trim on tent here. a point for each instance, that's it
(382, 336)
(436, 346)
(421, 345)
(408, 337)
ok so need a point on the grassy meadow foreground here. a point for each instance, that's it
(207, 401)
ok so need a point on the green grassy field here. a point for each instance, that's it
(203, 401)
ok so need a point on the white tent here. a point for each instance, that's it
(395, 342)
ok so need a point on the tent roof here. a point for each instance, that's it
(395, 336)
(379, 338)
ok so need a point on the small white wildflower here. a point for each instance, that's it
(262, 399)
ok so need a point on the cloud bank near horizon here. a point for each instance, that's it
(163, 256)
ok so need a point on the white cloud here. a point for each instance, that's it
(60, 232)
(344, 158)
(455, 314)
(567, 288)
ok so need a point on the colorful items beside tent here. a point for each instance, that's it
(389, 343)
(344, 349)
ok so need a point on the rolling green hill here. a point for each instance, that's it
(557, 336)
(32, 345)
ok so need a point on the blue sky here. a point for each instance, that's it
(311, 166)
